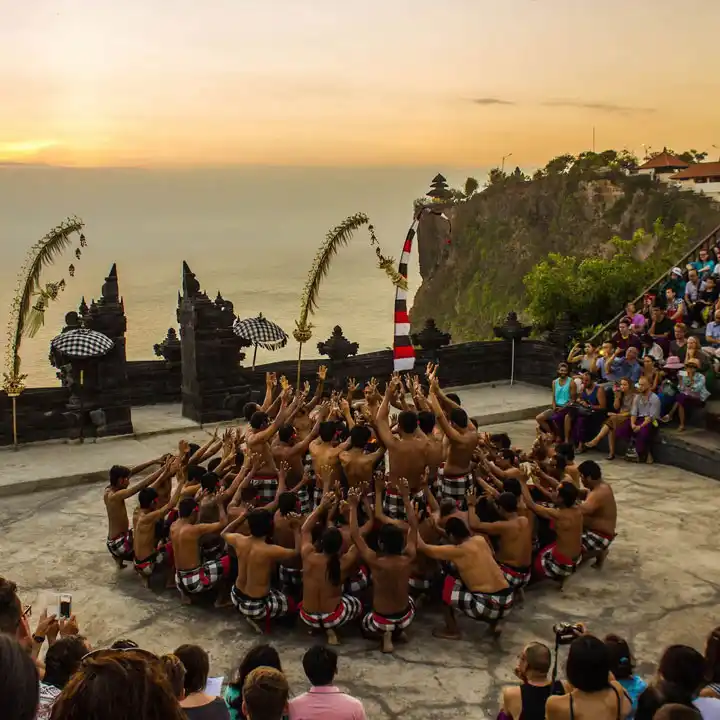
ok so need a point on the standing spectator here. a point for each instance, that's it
(528, 700)
(18, 681)
(259, 656)
(324, 700)
(692, 392)
(622, 667)
(61, 663)
(197, 704)
(265, 694)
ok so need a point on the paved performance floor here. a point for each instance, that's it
(659, 586)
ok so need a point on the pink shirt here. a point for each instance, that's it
(322, 703)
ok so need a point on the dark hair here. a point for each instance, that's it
(454, 397)
(197, 667)
(320, 665)
(647, 340)
(426, 421)
(10, 611)
(512, 485)
(287, 503)
(684, 667)
(676, 711)
(501, 440)
(508, 502)
(213, 464)
(712, 657)
(265, 694)
(259, 419)
(116, 685)
(175, 671)
(331, 544)
(285, 433)
(249, 409)
(146, 497)
(459, 417)
(118, 473)
(19, 688)
(408, 421)
(568, 493)
(560, 463)
(510, 455)
(327, 430)
(538, 657)
(124, 644)
(260, 523)
(63, 659)
(195, 474)
(621, 662)
(588, 664)
(456, 528)
(566, 450)
(193, 448)
(589, 468)
(239, 458)
(360, 436)
(209, 482)
(263, 655)
(391, 540)
(186, 507)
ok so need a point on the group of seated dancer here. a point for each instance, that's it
(332, 510)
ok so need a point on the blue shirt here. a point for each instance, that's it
(621, 368)
(633, 686)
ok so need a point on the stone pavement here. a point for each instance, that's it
(659, 586)
(56, 464)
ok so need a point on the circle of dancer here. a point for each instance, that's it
(338, 509)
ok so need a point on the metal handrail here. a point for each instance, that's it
(705, 241)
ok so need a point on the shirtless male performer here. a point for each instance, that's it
(515, 533)
(192, 576)
(120, 535)
(407, 453)
(455, 475)
(257, 557)
(357, 464)
(599, 512)
(481, 590)
(393, 610)
(303, 422)
(325, 453)
(325, 570)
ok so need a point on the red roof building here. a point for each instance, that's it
(664, 162)
(708, 172)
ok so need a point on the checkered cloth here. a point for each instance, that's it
(489, 607)
(595, 542)
(121, 546)
(348, 609)
(394, 507)
(290, 576)
(455, 487)
(260, 331)
(551, 564)
(81, 343)
(213, 550)
(274, 604)
(420, 584)
(358, 582)
(147, 566)
(204, 577)
(376, 624)
(517, 578)
(266, 486)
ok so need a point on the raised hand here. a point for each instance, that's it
(354, 497)
(328, 500)
(322, 372)
(306, 387)
(69, 626)
(403, 487)
(471, 497)
(351, 386)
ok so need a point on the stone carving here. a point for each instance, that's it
(431, 337)
(512, 329)
(170, 348)
(337, 346)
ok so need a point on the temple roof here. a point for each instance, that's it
(699, 170)
(664, 160)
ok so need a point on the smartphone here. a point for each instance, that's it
(64, 605)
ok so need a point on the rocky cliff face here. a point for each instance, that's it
(498, 235)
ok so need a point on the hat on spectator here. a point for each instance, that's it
(676, 271)
(674, 363)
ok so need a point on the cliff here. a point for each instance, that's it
(499, 234)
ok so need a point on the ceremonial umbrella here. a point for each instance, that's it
(260, 331)
(81, 343)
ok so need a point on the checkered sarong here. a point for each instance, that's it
(595, 542)
(489, 607)
(455, 487)
(147, 566)
(274, 604)
(376, 624)
(290, 576)
(358, 582)
(348, 609)
(553, 565)
(394, 507)
(204, 577)
(420, 583)
(266, 486)
(517, 578)
(121, 546)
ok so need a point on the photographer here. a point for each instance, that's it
(528, 700)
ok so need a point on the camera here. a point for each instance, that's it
(565, 633)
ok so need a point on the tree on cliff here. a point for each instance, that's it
(471, 187)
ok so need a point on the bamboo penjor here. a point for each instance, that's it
(335, 239)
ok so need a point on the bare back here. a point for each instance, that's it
(186, 548)
(118, 521)
(569, 527)
(477, 567)
(256, 562)
(144, 540)
(408, 457)
(261, 447)
(358, 466)
(516, 540)
(391, 578)
(604, 517)
(460, 450)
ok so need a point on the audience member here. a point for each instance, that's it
(651, 348)
(62, 661)
(265, 694)
(673, 711)
(712, 665)
(622, 668)
(18, 681)
(692, 393)
(618, 420)
(644, 416)
(197, 704)
(175, 672)
(324, 699)
(678, 346)
(259, 656)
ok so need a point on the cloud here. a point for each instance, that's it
(597, 106)
(491, 101)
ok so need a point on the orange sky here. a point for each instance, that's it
(322, 82)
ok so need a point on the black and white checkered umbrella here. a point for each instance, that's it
(81, 343)
(260, 332)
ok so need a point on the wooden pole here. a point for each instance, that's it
(299, 364)
(254, 355)
(14, 421)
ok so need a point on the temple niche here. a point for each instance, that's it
(213, 383)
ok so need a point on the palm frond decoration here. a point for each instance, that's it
(31, 301)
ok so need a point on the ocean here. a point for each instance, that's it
(249, 232)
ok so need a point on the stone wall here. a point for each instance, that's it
(40, 415)
(153, 382)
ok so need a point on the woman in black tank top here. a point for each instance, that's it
(534, 698)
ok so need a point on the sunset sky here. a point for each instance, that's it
(341, 82)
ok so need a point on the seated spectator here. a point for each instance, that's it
(674, 306)
(14, 618)
(692, 393)
(676, 281)
(712, 665)
(637, 320)
(648, 346)
(704, 265)
(712, 335)
(557, 419)
(61, 663)
(692, 292)
(197, 704)
(18, 681)
(584, 358)
(265, 694)
(678, 346)
(590, 410)
(116, 685)
(593, 695)
(175, 672)
(259, 656)
(651, 372)
(528, 700)
(622, 668)
(605, 361)
(661, 328)
(695, 352)
(707, 298)
(624, 338)
(628, 366)
(324, 699)
(618, 420)
(648, 304)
